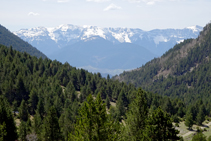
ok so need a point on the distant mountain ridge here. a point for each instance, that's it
(184, 71)
(9, 39)
(104, 50)
(158, 41)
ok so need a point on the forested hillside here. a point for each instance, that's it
(56, 101)
(9, 39)
(182, 72)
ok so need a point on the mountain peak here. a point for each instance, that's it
(157, 41)
(195, 28)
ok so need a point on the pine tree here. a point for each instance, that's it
(7, 122)
(85, 123)
(93, 123)
(23, 111)
(22, 131)
(66, 122)
(137, 117)
(189, 120)
(200, 116)
(160, 127)
(108, 102)
(51, 129)
(28, 126)
(14, 107)
(20, 89)
(40, 108)
(121, 105)
(199, 137)
(37, 124)
(33, 100)
(70, 91)
(3, 131)
(58, 105)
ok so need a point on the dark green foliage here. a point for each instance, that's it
(189, 120)
(160, 127)
(182, 72)
(28, 126)
(120, 108)
(209, 138)
(113, 113)
(25, 129)
(142, 125)
(200, 116)
(23, 111)
(93, 123)
(22, 131)
(51, 129)
(39, 82)
(66, 122)
(37, 124)
(35, 85)
(137, 117)
(199, 137)
(33, 101)
(7, 124)
(3, 131)
(40, 108)
(108, 102)
(9, 39)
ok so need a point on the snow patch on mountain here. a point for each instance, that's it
(32, 32)
(159, 39)
(194, 28)
(121, 37)
(180, 41)
(67, 34)
(95, 31)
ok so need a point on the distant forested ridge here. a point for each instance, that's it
(9, 39)
(182, 72)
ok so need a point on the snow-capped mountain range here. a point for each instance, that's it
(133, 45)
(157, 41)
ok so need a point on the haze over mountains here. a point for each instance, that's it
(93, 47)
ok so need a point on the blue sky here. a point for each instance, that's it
(143, 14)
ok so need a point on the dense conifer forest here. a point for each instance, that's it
(41, 99)
(183, 72)
(55, 101)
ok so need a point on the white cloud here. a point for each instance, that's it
(97, 0)
(112, 7)
(33, 14)
(59, 1)
(151, 2)
(62, 1)
(148, 2)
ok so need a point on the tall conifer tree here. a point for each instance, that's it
(93, 123)
(137, 117)
(7, 123)
(51, 126)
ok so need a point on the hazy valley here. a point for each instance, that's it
(93, 48)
